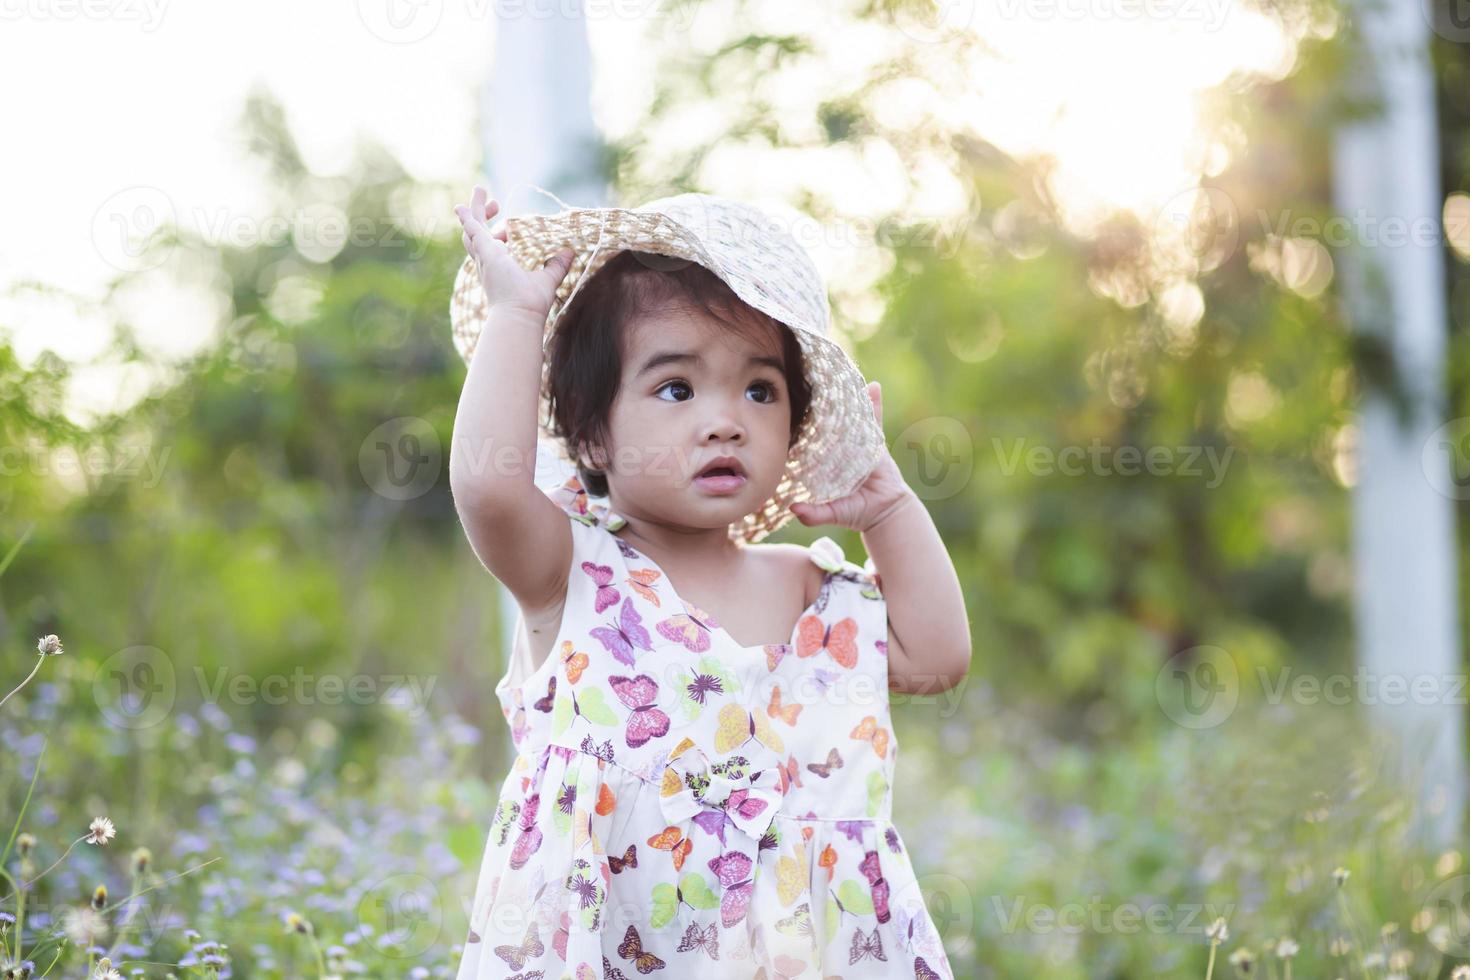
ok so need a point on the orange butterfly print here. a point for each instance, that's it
(574, 662)
(828, 857)
(839, 639)
(606, 800)
(790, 771)
(786, 712)
(641, 580)
(672, 839)
(869, 731)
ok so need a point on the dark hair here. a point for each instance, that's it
(585, 355)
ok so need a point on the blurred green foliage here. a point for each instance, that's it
(267, 537)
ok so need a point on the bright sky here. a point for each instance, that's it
(131, 108)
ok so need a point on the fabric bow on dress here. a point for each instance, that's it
(713, 795)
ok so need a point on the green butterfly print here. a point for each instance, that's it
(693, 891)
(852, 896)
(590, 704)
(708, 682)
(505, 815)
(877, 790)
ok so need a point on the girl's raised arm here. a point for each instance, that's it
(519, 535)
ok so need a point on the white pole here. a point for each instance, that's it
(1387, 186)
(537, 128)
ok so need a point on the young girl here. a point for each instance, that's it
(705, 753)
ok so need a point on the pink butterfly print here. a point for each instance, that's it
(640, 693)
(788, 967)
(691, 628)
(877, 884)
(882, 646)
(734, 871)
(607, 593)
(621, 639)
(922, 970)
(852, 828)
(744, 804)
(865, 946)
(562, 934)
(529, 838)
(696, 938)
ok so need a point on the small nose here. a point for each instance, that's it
(724, 427)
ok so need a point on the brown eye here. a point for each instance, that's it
(675, 384)
(769, 388)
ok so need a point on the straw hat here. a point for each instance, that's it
(766, 267)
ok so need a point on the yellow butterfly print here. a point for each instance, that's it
(737, 725)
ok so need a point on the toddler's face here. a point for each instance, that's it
(727, 397)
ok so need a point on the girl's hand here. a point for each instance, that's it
(882, 492)
(507, 285)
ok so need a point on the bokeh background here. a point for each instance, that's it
(1127, 354)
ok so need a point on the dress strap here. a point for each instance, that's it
(573, 498)
(828, 555)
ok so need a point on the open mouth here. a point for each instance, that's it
(721, 475)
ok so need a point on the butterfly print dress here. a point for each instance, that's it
(684, 806)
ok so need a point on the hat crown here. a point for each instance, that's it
(757, 254)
